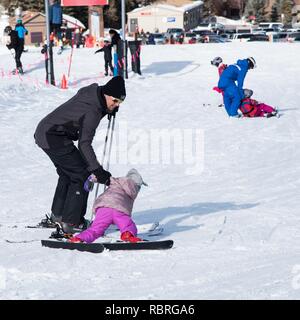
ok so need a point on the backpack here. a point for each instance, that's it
(248, 108)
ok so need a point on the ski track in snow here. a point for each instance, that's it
(235, 226)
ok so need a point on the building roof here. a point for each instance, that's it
(187, 5)
(71, 21)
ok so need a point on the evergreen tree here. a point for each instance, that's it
(274, 15)
(286, 9)
(256, 8)
(209, 8)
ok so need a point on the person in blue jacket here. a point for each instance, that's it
(231, 83)
(22, 31)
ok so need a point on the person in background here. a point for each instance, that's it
(231, 83)
(107, 57)
(13, 42)
(22, 32)
(76, 120)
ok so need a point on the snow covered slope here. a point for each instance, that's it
(231, 206)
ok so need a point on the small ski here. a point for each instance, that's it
(113, 246)
(59, 244)
(143, 245)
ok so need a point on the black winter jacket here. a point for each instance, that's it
(76, 119)
(14, 40)
(107, 52)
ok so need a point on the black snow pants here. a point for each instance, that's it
(70, 198)
(18, 54)
(108, 63)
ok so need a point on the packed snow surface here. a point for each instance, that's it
(226, 190)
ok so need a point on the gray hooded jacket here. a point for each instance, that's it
(76, 119)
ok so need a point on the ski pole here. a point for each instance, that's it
(104, 152)
(111, 140)
(110, 144)
(71, 58)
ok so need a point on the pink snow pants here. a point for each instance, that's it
(263, 108)
(104, 218)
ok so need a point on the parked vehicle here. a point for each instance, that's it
(190, 37)
(293, 36)
(242, 37)
(200, 33)
(280, 37)
(175, 32)
(259, 37)
(158, 38)
(275, 25)
(214, 38)
(211, 26)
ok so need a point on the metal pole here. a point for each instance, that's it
(124, 39)
(47, 32)
(49, 44)
(104, 153)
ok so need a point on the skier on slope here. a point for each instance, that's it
(107, 56)
(114, 206)
(117, 44)
(233, 93)
(77, 119)
(22, 31)
(14, 42)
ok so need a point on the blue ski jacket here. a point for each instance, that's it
(21, 31)
(234, 72)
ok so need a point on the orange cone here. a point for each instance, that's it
(64, 82)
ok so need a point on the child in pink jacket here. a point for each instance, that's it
(252, 108)
(114, 206)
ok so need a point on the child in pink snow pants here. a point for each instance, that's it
(114, 206)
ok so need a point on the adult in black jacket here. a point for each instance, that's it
(107, 57)
(77, 119)
(15, 43)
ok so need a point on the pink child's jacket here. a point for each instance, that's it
(120, 195)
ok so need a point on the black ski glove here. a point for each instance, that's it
(102, 176)
(112, 114)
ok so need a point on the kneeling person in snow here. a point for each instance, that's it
(114, 206)
(252, 108)
(231, 83)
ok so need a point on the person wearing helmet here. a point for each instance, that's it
(14, 43)
(218, 62)
(231, 83)
(22, 31)
(252, 108)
